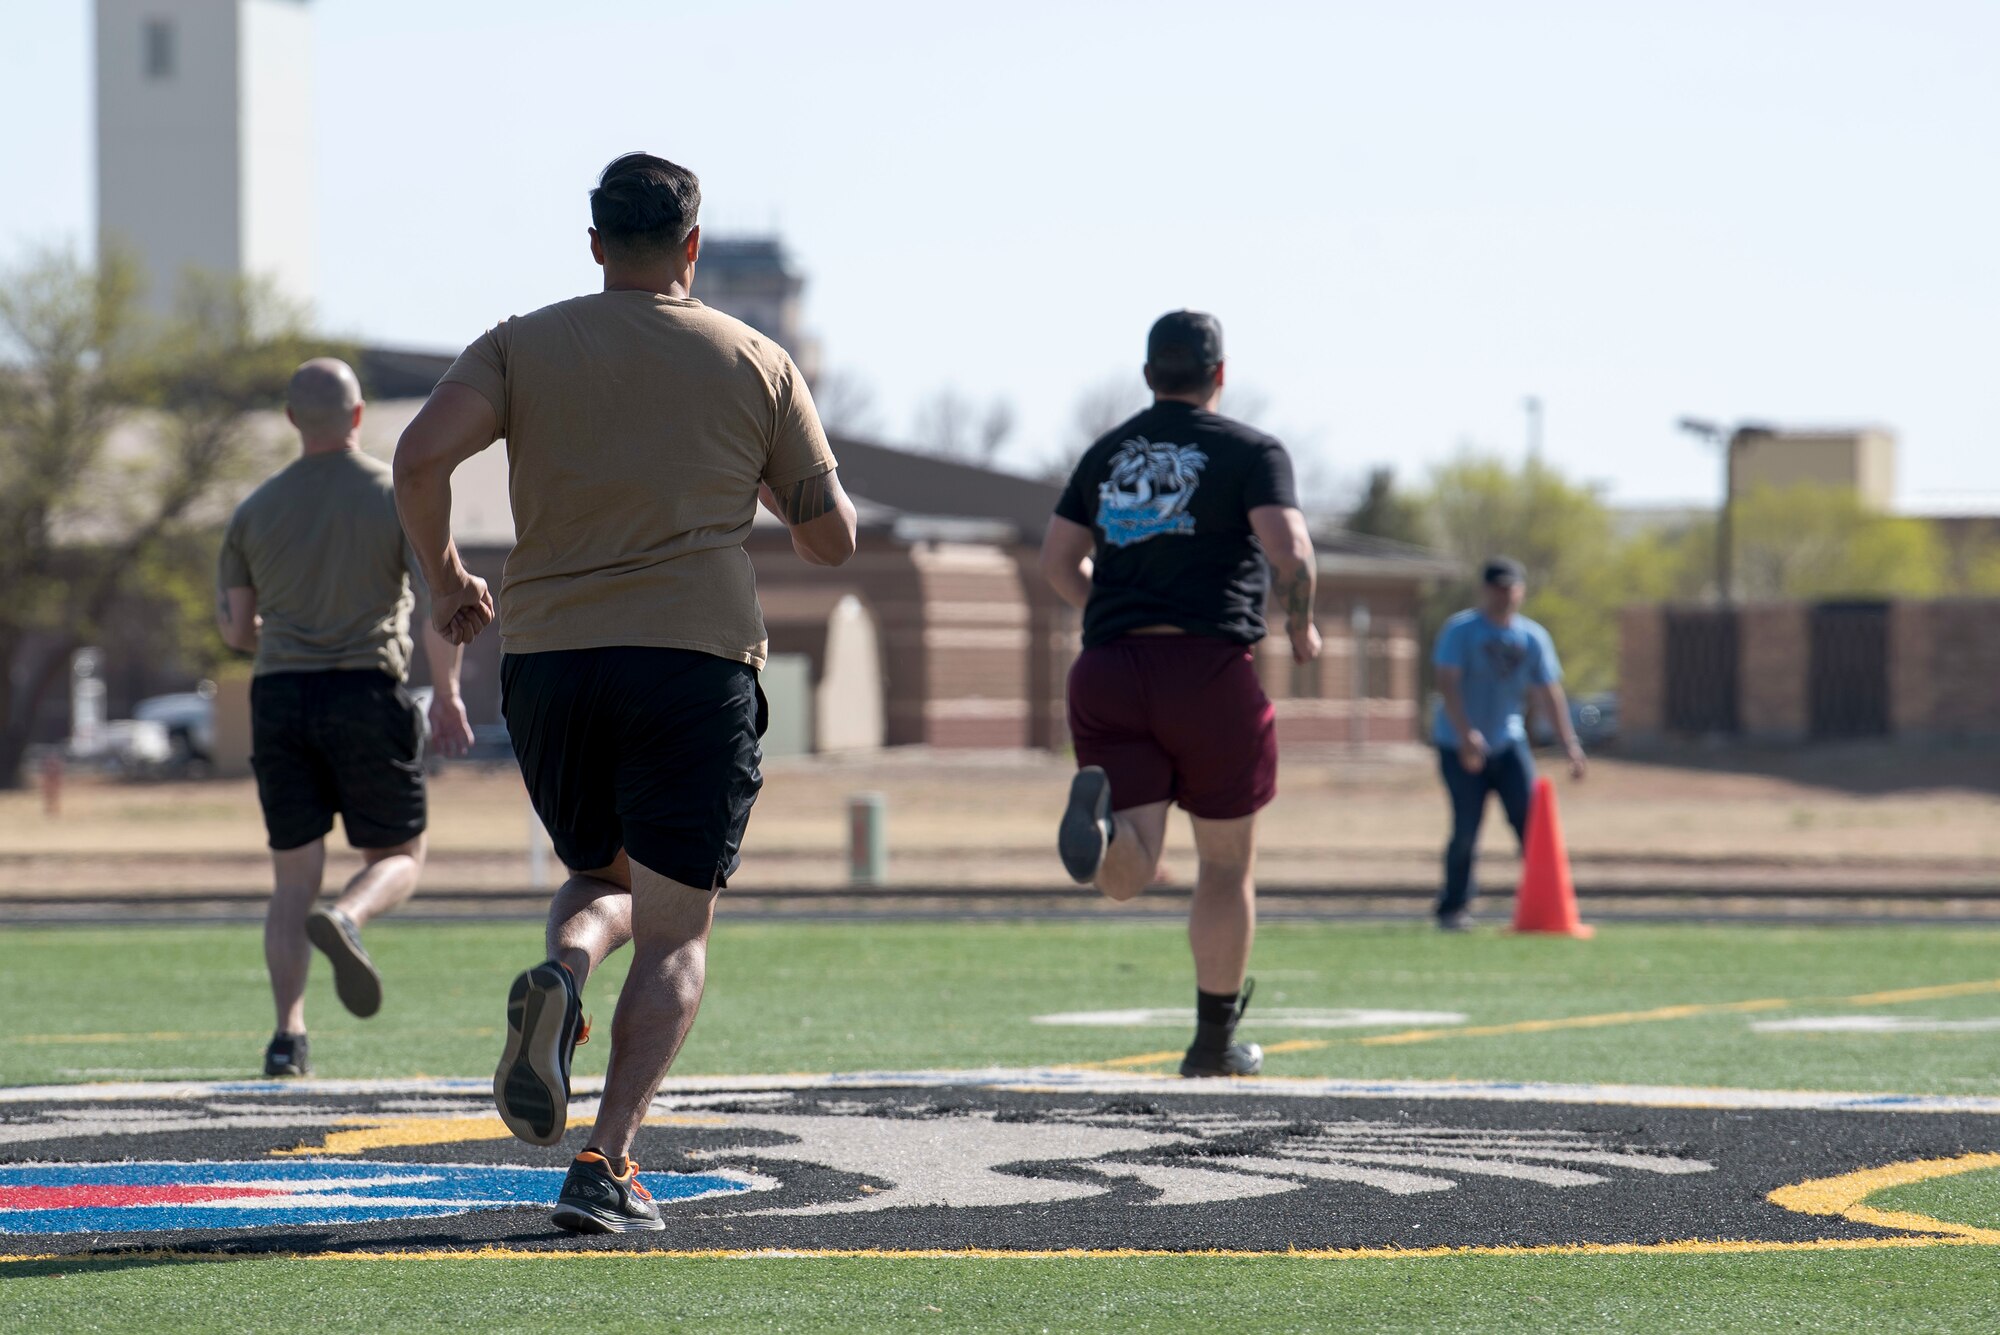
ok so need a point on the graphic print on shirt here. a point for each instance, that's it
(1149, 490)
(1504, 657)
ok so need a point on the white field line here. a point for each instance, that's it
(678, 1091)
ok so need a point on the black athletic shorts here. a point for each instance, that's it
(349, 741)
(654, 751)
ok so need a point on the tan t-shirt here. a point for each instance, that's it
(321, 546)
(638, 427)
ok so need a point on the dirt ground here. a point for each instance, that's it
(1847, 820)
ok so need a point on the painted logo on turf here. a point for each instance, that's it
(150, 1197)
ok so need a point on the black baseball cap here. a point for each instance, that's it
(1185, 343)
(1503, 570)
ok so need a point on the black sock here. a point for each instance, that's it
(1215, 1007)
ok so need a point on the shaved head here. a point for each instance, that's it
(323, 396)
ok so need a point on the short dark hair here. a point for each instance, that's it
(1183, 350)
(644, 205)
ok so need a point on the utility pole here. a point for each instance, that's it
(1533, 407)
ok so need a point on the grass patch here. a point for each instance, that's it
(1942, 1290)
(192, 1002)
(1967, 1198)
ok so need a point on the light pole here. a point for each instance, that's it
(1729, 441)
(1724, 539)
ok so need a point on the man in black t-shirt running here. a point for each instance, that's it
(1168, 537)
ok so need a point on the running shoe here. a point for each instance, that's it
(544, 1025)
(355, 981)
(596, 1200)
(286, 1056)
(1215, 1051)
(1086, 825)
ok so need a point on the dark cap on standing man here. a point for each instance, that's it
(1184, 346)
(1504, 571)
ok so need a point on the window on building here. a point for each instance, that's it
(159, 47)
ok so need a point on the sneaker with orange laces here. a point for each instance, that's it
(545, 1022)
(597, 1199)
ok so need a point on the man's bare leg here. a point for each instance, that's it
(388, 876)
(670, 924)
(298, 872)
(1133, 856)
(1222, 922)
(590, 917)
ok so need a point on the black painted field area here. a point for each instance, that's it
(1007, 1164)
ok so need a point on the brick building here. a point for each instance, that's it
(975, 647)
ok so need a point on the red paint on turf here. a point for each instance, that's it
(104, 1195)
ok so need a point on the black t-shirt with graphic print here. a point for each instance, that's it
(1168, 496)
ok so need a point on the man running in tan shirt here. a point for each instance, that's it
(314, 580)
(642, 430)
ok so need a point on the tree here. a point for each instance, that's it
(81, 525)
(846, 404)
(1820, 542)
(950, 425)
(1481, 507)
(1386, 512)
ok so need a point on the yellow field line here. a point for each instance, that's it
(1656, 1015)
(371, 1133)
(1681, 1012)
(1924, 993)
(1685, 1247)
(1844, 1196)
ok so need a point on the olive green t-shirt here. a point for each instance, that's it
(321, 546)
(638, 428)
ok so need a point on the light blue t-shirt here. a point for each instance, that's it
(1498, 664)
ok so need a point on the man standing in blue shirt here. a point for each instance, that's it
(1489, 660)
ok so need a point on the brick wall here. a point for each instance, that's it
(1775, 658)
(1642, 676)
(1964, 645)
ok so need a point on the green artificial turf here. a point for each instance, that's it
(191, 1002)
(1966, 1198)
(1943, 1289)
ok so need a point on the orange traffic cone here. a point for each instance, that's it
(1546, 901)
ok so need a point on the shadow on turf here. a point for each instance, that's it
(1863, 769)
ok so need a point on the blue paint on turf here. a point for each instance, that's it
(140, 1197)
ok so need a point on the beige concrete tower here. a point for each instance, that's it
(205, 138)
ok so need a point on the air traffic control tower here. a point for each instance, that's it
(205, 139)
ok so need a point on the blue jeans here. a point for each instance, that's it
(1510, 772)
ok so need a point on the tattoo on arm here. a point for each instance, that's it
(805, 500)
(1298, 596)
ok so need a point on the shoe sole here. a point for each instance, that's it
(582, 1219)
(355, 981)
(1193, 1072)
(528, 1085)
(1080, 840)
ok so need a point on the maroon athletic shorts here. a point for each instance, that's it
(1177, 718)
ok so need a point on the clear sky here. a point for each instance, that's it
(1409, 216)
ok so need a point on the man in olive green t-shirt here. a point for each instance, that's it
(314, 579)
(642, 430)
